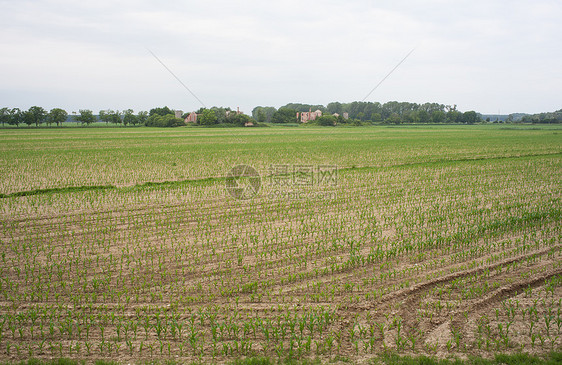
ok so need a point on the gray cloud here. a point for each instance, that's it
(482, 55)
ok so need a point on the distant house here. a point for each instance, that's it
(178, 113)
(345, 115)
(237, 112)
(191, 118)
(249, 124)
(310, 115)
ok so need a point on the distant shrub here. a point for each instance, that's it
(168, 120)
(326, 120)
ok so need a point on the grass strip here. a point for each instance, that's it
(211, 180)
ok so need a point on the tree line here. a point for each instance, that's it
(356, 113)
(156, 117)
(393, 112)
(35, 115)
(542, 118)
(222, 116)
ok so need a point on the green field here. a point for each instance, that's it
(125, 244)
(45, 158)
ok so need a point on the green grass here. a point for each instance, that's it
(107, 228)
(393, 359)
(61, 361)
(500, 359)
(37, 159)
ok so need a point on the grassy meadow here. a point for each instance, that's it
(125, 244)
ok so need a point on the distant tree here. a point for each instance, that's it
(335, 107)
(261, 116)
(239, 119)
(5, 116)
(355, 108)
(16, 117)
(168, 120)
(370, 109)
(305, 107)
(114, 116)
(35, 115)
(208, 117)
(544, 118)
(129, 117)
(39, 115)
(438, 116)
(110, 116)
(410, 117)
(57, 116)
(222, 114)
(85, 117)
(284, 115)
(161, 111)
(104, 116)
(534, 118)
(325, 120)
(259, 111)
(423, 116)
(448, 108)
(376, 117)
(394, 118)
(454, 116)
(431, 107)
(27, 117)
(470, 117)
(142, 116)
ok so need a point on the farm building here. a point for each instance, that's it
(305, 117)
(191, 118)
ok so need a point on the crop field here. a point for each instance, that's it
(132, 244)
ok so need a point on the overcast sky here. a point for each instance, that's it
(489, 56)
